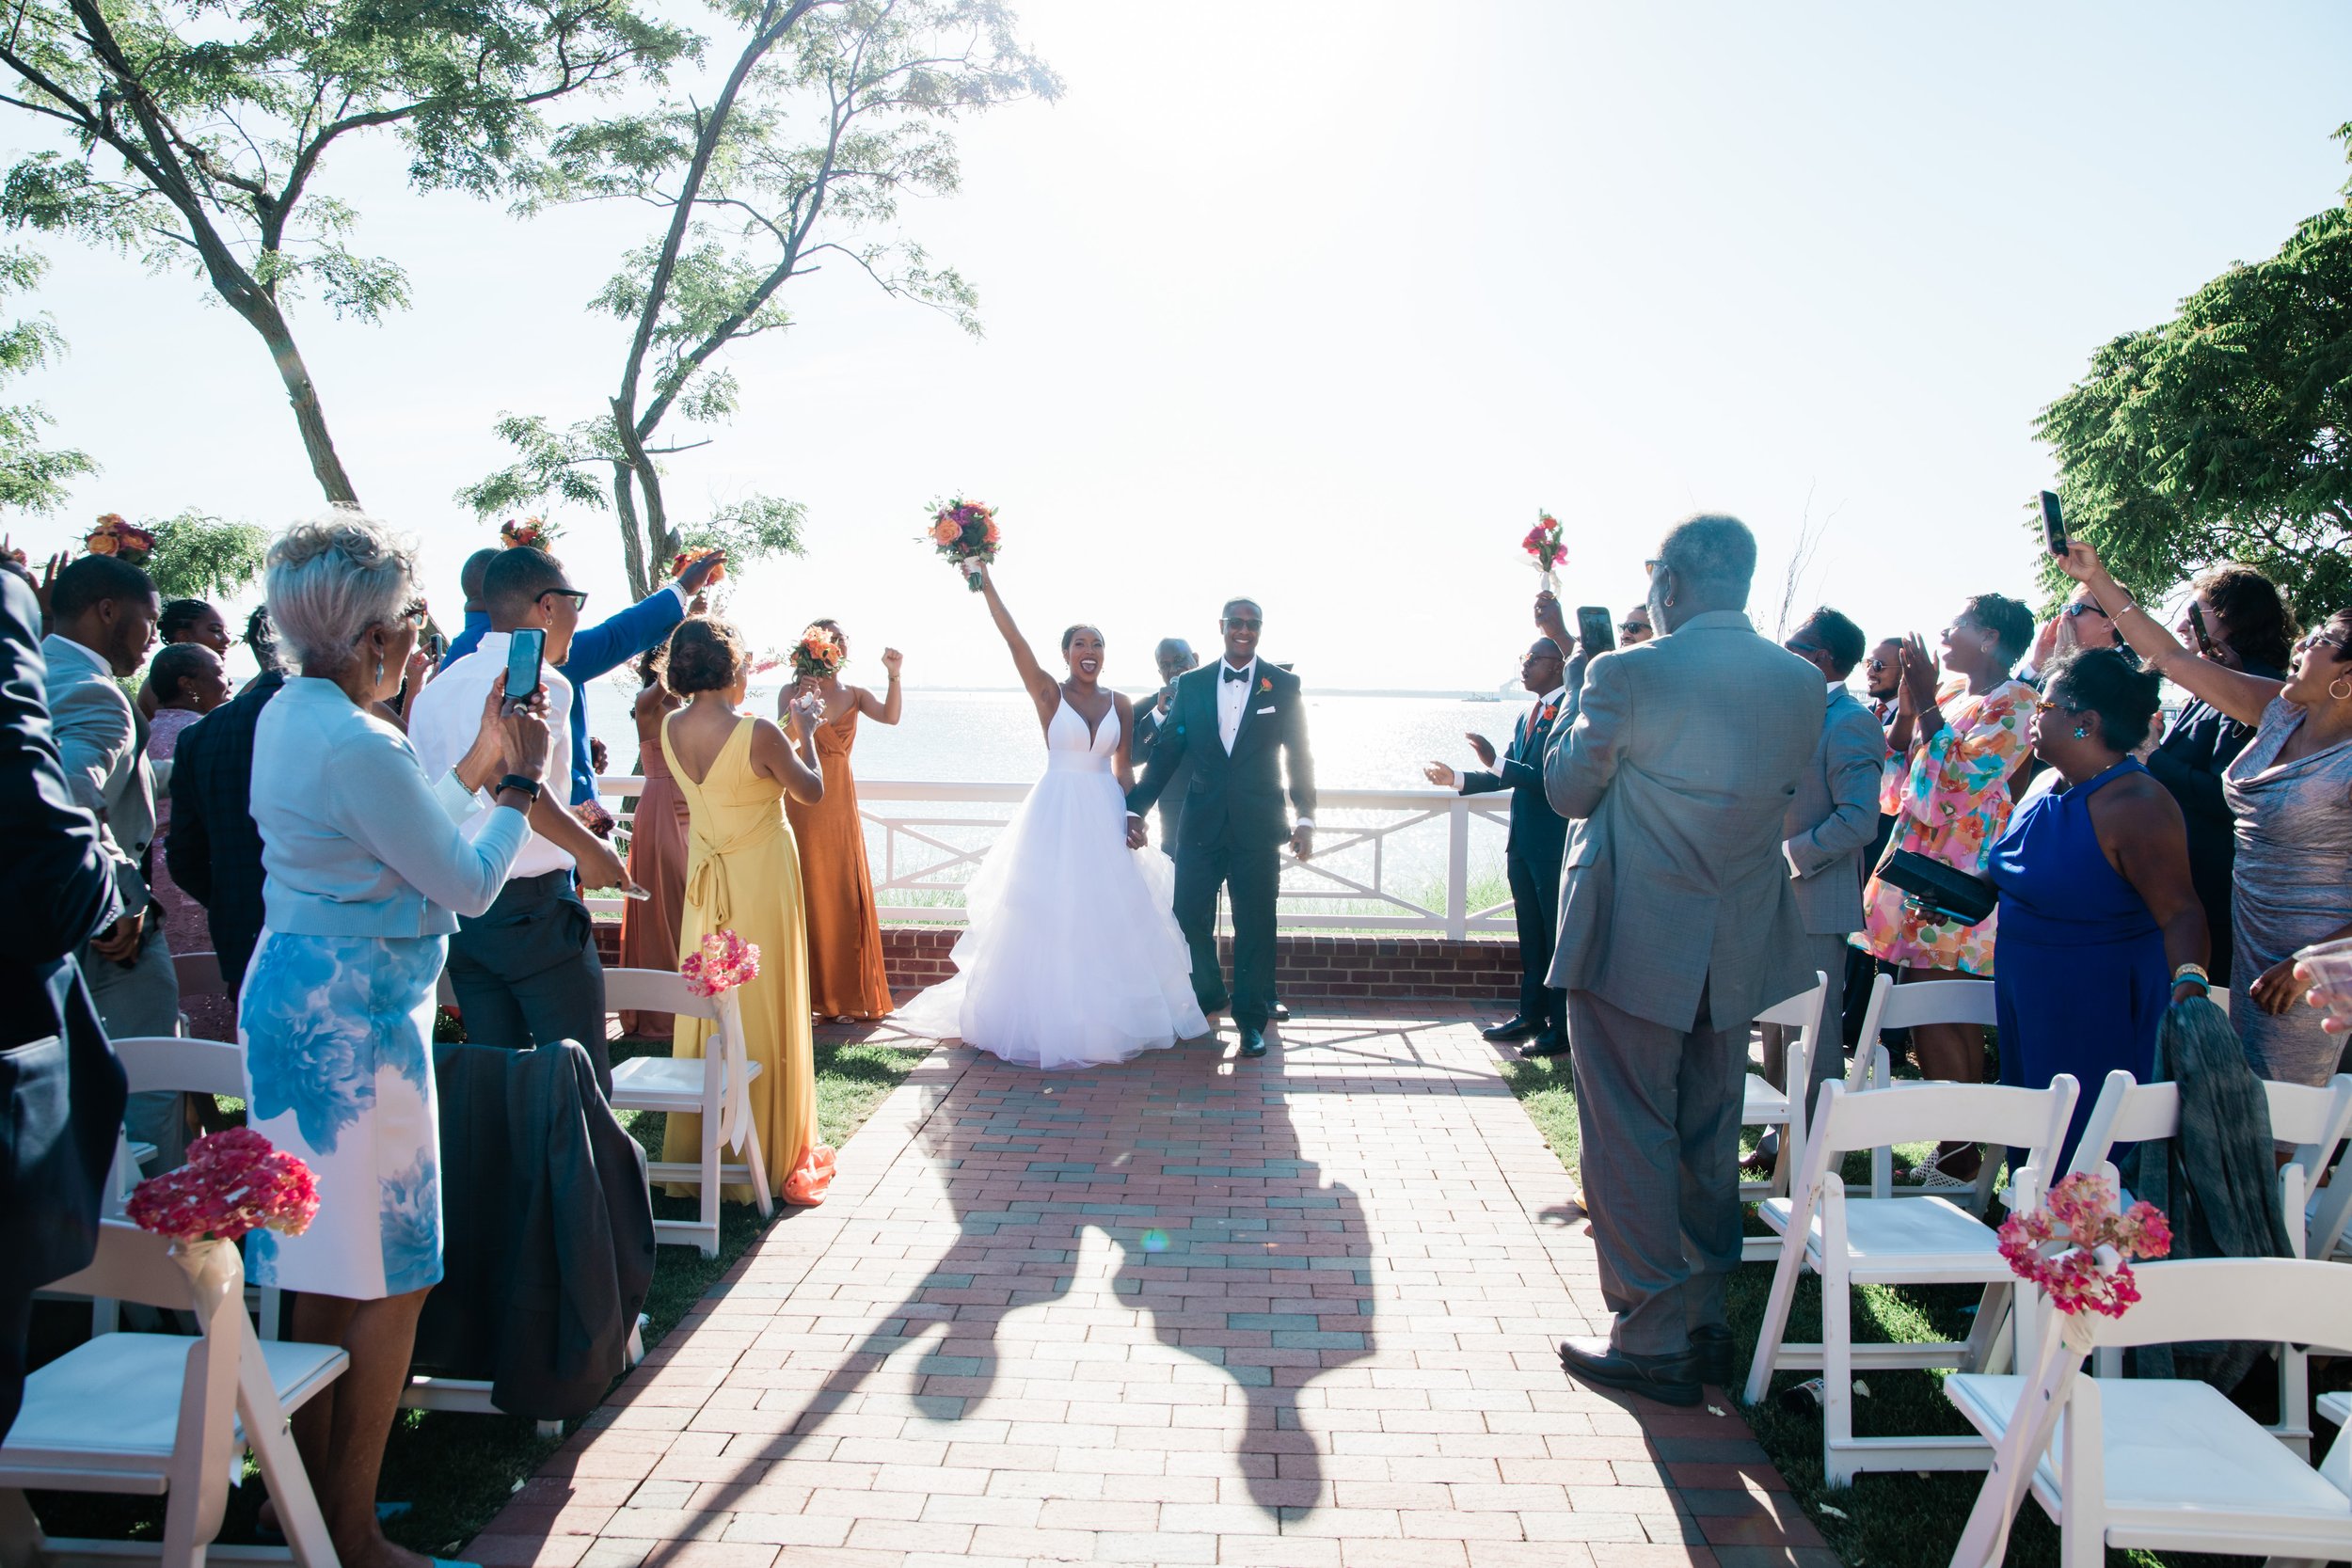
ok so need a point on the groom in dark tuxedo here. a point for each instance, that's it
(1232, 719)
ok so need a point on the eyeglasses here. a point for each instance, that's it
(577, 596)
(1650, 567)
(2319, 639)
(2083, 606)
(1629, 627)
(1241, 623)
(416, 615)
(1802, 649)
(1879, 664)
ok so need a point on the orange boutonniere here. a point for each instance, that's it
(1264, 684)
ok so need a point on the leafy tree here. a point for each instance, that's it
(2226, 432)
(32, 476)
(198, 134)
(202, 557)
(832, 111)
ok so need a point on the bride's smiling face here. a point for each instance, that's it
(1082, 647)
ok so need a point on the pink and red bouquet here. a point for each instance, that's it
(964, 533)
(1546, 543)
(527, 532)
(233, 1182)
(819, 654)
(2079, 1249)
(722, 962)
(113, 536)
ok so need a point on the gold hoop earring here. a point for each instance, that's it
(2344, 695)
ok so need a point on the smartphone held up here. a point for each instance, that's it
(2053, 524)
(526, 649)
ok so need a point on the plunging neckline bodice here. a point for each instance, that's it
(1073, 747)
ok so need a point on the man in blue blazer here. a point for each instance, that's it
(596, 650)
(1531, 855)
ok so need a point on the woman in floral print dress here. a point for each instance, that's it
(1956, 744)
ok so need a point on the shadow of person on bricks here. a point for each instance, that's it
(1231, 1249)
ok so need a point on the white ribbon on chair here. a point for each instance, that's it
(735, 1102)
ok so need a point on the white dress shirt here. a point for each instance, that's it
(446, 715)
(1233, 698)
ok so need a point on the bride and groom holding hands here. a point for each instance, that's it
(1084, 946)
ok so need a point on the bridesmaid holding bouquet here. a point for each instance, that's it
(844, 953)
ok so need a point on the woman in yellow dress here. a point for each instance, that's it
(743, 872)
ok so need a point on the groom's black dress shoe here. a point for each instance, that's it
(1711, 1350)
(1513, 1028)
(1667, 1379)
(1281, 1013)
(1252, 1041)
(1551, 1042)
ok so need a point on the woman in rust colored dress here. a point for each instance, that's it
(845, 955)
(657, 850)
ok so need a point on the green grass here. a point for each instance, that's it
(457, 1471)
(1881, 1521)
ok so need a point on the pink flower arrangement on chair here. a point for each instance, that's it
(233, 1182)
(2078, 1249)
(723, 962)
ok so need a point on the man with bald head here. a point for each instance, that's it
(1678, 925)
(1174, 656)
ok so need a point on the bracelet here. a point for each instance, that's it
(2191, 972)
(516, 783)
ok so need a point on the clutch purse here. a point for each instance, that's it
(1942, 889)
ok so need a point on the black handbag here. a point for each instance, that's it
(1940, 889)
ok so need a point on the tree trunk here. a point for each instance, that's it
(632, 544)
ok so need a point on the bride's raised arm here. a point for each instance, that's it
(1043, 689)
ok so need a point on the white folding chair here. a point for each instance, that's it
(2157, 1463)
(168, 1064)
(1907, 1007)
(2313, 1120)
(164, 1414)
(1763, 1105)
(1896, 1241)
(717, 1086)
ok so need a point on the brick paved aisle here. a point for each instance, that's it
(1191, 1310)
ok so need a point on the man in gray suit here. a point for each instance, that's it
(102, 614)
(1676, 928)
(1830, 825)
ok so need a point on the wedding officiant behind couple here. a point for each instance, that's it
(1078, 951)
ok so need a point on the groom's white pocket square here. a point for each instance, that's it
(1268, 708)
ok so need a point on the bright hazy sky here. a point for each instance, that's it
(1320, 302)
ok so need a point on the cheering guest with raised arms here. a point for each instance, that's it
(1070, 959)
(846, 979)
(1957, 742)
(368, 871)
(1241, 723)
(657, 848)
(1677, 927)
(2291, 789)
(743, 875)
(1532, 851)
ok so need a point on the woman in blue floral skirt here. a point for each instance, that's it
(365, 865)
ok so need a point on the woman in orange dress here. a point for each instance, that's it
(657, 850)
(844, 954)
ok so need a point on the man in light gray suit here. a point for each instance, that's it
(104, 614)
(1678, 926)
(1831, 823)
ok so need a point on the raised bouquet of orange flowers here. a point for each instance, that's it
(687, 558)
(819, 654)
(533, 532)
(113, 536)
(1545, 543)
(964, 533)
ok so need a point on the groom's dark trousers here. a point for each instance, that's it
(1234, 821)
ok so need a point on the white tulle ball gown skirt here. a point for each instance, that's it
(1073, 958)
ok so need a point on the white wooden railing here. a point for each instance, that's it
(1421, 860)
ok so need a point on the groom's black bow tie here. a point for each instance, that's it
(1233, 675)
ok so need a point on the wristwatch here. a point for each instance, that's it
(517, 782)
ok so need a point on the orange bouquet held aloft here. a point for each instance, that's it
(687, 558)
(1547, 543)
(965, 534)
(535, 533)
(113, 536)
(819, 654)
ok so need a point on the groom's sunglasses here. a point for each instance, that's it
(1241, 623)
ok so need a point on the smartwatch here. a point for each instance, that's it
(517, 782)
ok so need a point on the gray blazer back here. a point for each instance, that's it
(1835, 815)
(1677, 778)
(105, 765)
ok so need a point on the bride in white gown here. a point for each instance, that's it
(1072, 957)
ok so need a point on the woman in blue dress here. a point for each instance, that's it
(366, 873)
(2100, 924)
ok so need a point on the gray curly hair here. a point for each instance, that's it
(331, 578)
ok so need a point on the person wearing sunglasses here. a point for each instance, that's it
(525, 971)
(1636, 629)
(2291, 791)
